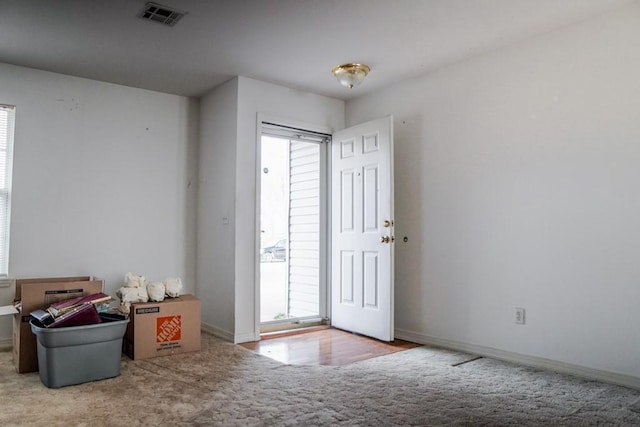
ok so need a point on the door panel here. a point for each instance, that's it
(370, 282)
(362, 199)
(346, 277)
(370, 194)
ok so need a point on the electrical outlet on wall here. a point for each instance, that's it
(520, 315)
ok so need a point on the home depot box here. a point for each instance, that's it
(163, 328)
(41, 293)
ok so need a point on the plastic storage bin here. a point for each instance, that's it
(79, 354)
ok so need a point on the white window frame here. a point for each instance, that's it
(7, 129)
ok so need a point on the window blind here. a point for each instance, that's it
(7, 119)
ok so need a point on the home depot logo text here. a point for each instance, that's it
(169, 328)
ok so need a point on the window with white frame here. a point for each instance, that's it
(7, 119)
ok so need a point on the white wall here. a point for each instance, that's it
(216, 201)
(237, 273)
(103, 180)
(517, 185)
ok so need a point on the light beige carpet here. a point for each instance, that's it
(227, 385)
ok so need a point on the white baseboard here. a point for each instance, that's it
(217, 332)
(6, 344)
(522, 359)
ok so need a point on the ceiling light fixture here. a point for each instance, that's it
(351, 75)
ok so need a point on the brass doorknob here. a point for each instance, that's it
(385, 239)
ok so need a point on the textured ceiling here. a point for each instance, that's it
(290, 42)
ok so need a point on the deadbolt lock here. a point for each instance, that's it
(387, 223)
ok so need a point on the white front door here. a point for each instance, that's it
(362, 229)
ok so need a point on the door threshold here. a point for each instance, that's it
(294, 331)
(285, 325)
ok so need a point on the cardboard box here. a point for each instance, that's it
(41, 293)
(163, 328)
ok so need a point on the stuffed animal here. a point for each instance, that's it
(173, 286)
(156, 291)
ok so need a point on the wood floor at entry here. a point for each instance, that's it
(326, 346)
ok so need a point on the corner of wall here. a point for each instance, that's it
(215, 253)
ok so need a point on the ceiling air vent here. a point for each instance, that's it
(161, 14)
